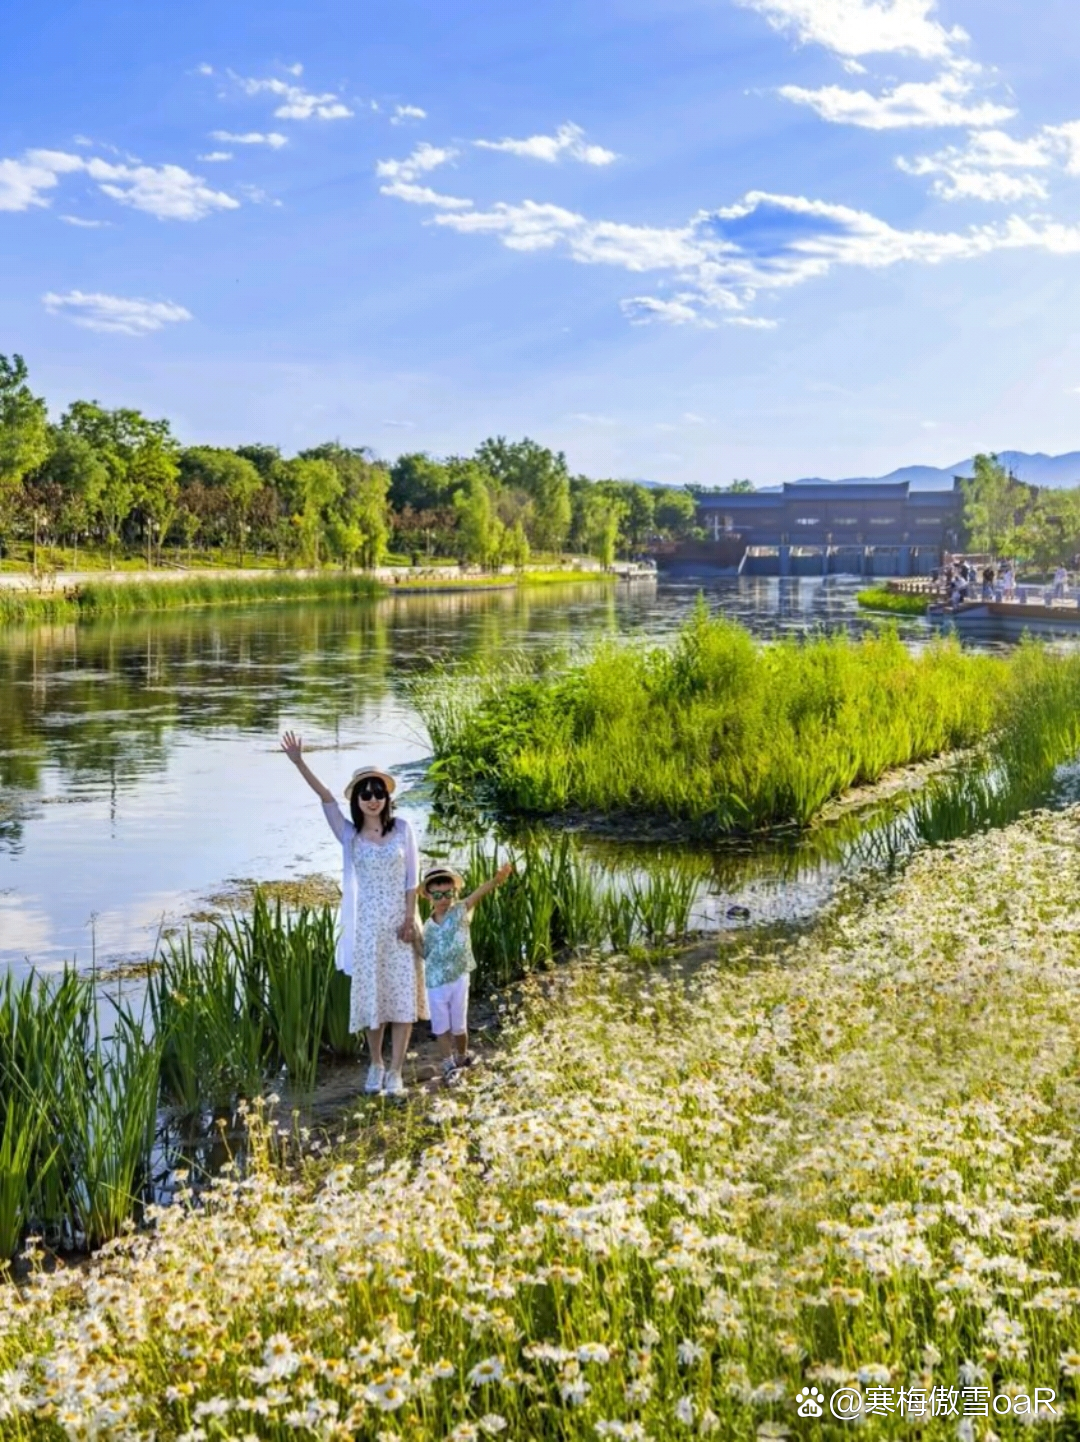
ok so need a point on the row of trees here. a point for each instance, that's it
(1007, 517)
(118, 479)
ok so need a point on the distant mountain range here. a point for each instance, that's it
(1038, 470)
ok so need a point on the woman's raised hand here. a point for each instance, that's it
(292, 746)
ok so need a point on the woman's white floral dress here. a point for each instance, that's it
(388, 976)
(387, 973)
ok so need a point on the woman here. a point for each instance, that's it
(378, 914)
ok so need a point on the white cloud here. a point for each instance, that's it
(402, 175)
(940, 102)
(643, 309)
(424, 195)
(721, 260)
(251, 137)
(82, 224)
(424, 158)
(114, 313)
(402, 113)
(863, 27)
(569, 140)
(205, 69)
(958, 182)
(1066, 138)
(216, 156)
(23, 184)
(296, 102)
(752, 322)
(980, 170)
(590, 418)
(257, 196)
(296, 69)
(167, 191)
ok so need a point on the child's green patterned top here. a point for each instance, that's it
(447, 946)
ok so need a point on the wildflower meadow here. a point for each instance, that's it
(676, 1199)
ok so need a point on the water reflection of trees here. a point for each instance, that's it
(106, 700)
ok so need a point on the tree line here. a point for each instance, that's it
(117, 480)
(1004, 516)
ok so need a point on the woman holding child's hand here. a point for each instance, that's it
(378, 913)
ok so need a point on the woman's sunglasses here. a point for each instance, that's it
(440, 895)
(371, 791)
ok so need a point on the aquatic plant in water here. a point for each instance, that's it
(719, 735)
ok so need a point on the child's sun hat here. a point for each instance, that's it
(439, 873)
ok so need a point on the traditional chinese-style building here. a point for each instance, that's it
(820, 528)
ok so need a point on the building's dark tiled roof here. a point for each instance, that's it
(836, 491)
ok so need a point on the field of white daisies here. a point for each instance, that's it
(673, 1201)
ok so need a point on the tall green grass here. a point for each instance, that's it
(560, 900)
(253, 999)
(715, 733)
(119, 598)
(896, 603)
(79, 1108)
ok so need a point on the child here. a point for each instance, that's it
(448, 959)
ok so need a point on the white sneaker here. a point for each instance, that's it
(374, 1081)
(393, 1086)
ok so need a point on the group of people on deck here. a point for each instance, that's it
(960, 580)
(401, 973)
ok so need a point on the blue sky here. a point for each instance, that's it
(688, 241)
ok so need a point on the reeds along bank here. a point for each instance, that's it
(85, 1081)
(126, 598)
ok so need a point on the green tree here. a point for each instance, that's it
(993, 503)
(472, 502)
(235, 476)
(1050, 529)
(675, 511)
(70, 483)
(141, 468)
(418, 481)
(362, 524)
(543, 477)
(24, 433)
(516, 548)
(640, 513)
(312, 487)
(154, 472)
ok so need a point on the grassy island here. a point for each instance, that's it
(896, 603)
(719, 734)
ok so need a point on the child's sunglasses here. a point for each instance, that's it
(371, 790)
(440, 894)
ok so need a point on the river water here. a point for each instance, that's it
(139, 769)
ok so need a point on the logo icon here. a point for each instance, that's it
(809, 1401)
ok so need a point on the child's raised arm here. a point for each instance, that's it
(486, 886)
(293, 747)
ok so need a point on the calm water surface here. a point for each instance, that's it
(139, 770)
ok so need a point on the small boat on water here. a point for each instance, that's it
(993, 620)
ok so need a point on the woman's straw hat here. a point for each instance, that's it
(357, 776)
(435, 871)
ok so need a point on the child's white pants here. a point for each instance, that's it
(449, 1006)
